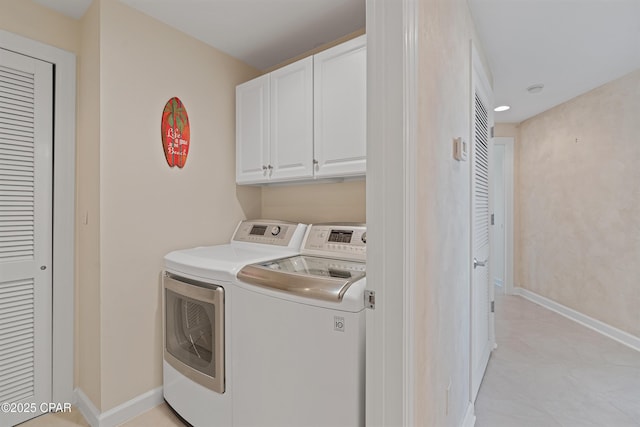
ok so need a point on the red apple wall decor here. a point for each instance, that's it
(176, 133)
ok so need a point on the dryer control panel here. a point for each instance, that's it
(340, 240)
(269, 232)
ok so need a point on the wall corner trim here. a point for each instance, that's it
(121, 413)
(609, 331)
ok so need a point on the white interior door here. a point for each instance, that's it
(26, 115)
(498, 240)
(481, 292)
(503, 205)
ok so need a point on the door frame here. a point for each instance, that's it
(479, 79)
(392, 115)
(508, 143)
(64, 155)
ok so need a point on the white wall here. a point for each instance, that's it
(443, 213)
(418, 211)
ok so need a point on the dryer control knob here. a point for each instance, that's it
(364, 237)
(275, 230)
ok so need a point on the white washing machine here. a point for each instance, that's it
(299, 334)
(197, 291)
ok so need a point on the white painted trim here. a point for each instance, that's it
(121, 413)
(479, 82)
(410, 60)
(508, 143)
(87, 408)
(469, 417)
(607, 330)
(63, 205)
(391, 145)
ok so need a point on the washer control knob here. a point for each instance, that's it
(364, 237)
(275, 230)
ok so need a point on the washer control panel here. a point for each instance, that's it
(346, 241)
(267, 232)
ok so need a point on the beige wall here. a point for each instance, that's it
(88, 309)
(36, 22)
(131, 207)
(146, 208)
(578, 182)
(443, 210)
(313, 203)
(506, 129)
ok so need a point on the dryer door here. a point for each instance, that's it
(194, 330)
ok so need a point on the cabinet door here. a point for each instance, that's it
(252, 131)
(292, 121)
(340, 110)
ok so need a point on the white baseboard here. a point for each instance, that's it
(121, 413)
(87, 408)
(607, 330)
(470, 417)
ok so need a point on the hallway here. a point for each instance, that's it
(550, 371)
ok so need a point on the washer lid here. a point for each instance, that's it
(220, 262)
(324, 279)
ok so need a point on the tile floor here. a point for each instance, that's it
(160, 416)
(550, 371)
(547, 371)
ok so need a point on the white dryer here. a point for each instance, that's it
(197, 291)
(299, 334)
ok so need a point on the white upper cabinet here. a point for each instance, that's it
(306, 120)
(340, 110)
(252, 130)
(292, 121)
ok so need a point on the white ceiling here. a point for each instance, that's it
(261, 33)
(570, 46)
(72, 8)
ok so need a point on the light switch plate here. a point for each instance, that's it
(460, 149)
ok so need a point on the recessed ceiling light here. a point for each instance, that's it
(502, 108)
(536, 88)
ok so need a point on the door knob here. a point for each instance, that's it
(477, 263)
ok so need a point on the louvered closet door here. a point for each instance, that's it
(26, 99)
(481, 337)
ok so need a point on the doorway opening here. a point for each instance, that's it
(502, 215)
